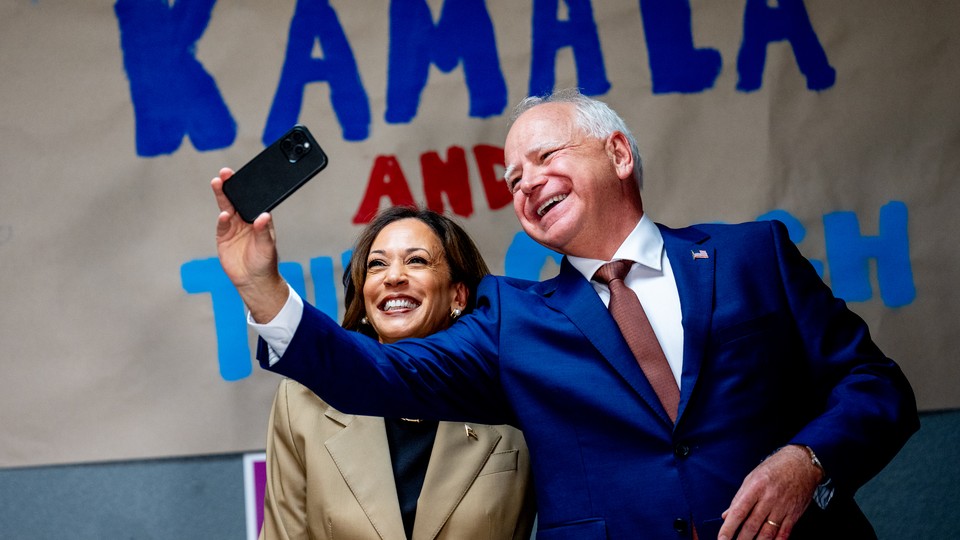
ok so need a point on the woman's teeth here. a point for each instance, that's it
(399, 303)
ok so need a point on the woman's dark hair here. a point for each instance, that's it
(463, 258)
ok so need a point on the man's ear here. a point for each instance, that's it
(621, 155)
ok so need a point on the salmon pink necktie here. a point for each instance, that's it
(628, 313)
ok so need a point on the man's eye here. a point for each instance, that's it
(546, 154)
(512, 184)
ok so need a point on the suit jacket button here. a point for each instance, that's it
(681, 450)
(680, 525)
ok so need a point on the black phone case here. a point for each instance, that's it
(275, 173)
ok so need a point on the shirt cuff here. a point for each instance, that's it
(279, 331)
(824, 491)
(823, 494)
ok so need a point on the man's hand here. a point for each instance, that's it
(248, 254)
(773, 496)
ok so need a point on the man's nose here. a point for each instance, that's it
(531, 182)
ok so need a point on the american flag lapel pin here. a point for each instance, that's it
(702, 254)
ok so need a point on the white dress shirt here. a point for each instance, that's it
(278, 332)
(651, 278)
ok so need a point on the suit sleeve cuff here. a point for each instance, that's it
(278, 332)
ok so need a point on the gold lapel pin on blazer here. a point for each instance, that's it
(471, 434)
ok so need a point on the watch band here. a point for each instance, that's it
(815, 460)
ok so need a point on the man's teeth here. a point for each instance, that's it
(399, 303)
(550, 202)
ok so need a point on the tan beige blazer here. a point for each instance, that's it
(329, 477)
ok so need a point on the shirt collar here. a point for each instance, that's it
(644, 245)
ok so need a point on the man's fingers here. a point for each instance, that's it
(785, 528)
(263, 224)
(223, 203)
(769, 529)
(747, 512)
(733, 518)
(223, 224)
(264, 235)
(217, 185)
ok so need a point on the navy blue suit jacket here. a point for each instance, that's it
(770, 358)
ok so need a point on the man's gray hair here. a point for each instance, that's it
(594, 117)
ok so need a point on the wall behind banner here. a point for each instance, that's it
(122, 338)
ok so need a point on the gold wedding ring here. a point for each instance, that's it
(774, 523)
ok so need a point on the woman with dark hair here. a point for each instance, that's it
(335, 475)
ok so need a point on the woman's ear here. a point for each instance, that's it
(461, 294)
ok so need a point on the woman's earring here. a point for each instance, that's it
(363, 320)
(455, 313)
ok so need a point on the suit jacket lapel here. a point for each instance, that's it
(577, 299)
(455, 463)
(693, 261)
(361, 453)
